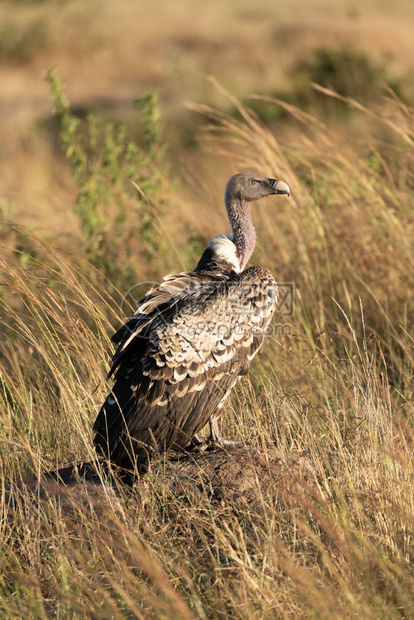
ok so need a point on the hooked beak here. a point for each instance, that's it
(279, 187)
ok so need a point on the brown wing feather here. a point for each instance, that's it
(175, 372)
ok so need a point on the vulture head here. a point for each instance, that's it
(247, 187)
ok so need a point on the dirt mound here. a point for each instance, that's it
(243, 475)
(240, 474)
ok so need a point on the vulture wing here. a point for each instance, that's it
(179, 357)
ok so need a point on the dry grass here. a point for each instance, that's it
(338, 391)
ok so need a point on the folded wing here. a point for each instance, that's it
(179, 357)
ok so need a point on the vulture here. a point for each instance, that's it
(191, 338)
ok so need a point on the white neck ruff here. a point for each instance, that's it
(223, 246)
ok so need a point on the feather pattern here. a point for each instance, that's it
(186, 354)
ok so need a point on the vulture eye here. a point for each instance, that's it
(254, 182)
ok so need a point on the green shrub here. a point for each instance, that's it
(121, 184)
(347, 71)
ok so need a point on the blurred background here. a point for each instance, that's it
(110, 54)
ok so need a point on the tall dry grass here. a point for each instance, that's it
(337, 391)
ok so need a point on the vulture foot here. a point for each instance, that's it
(214, 441)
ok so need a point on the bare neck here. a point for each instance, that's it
(244, 234)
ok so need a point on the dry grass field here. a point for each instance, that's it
(115, 179)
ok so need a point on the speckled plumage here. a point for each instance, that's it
(190, 340)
